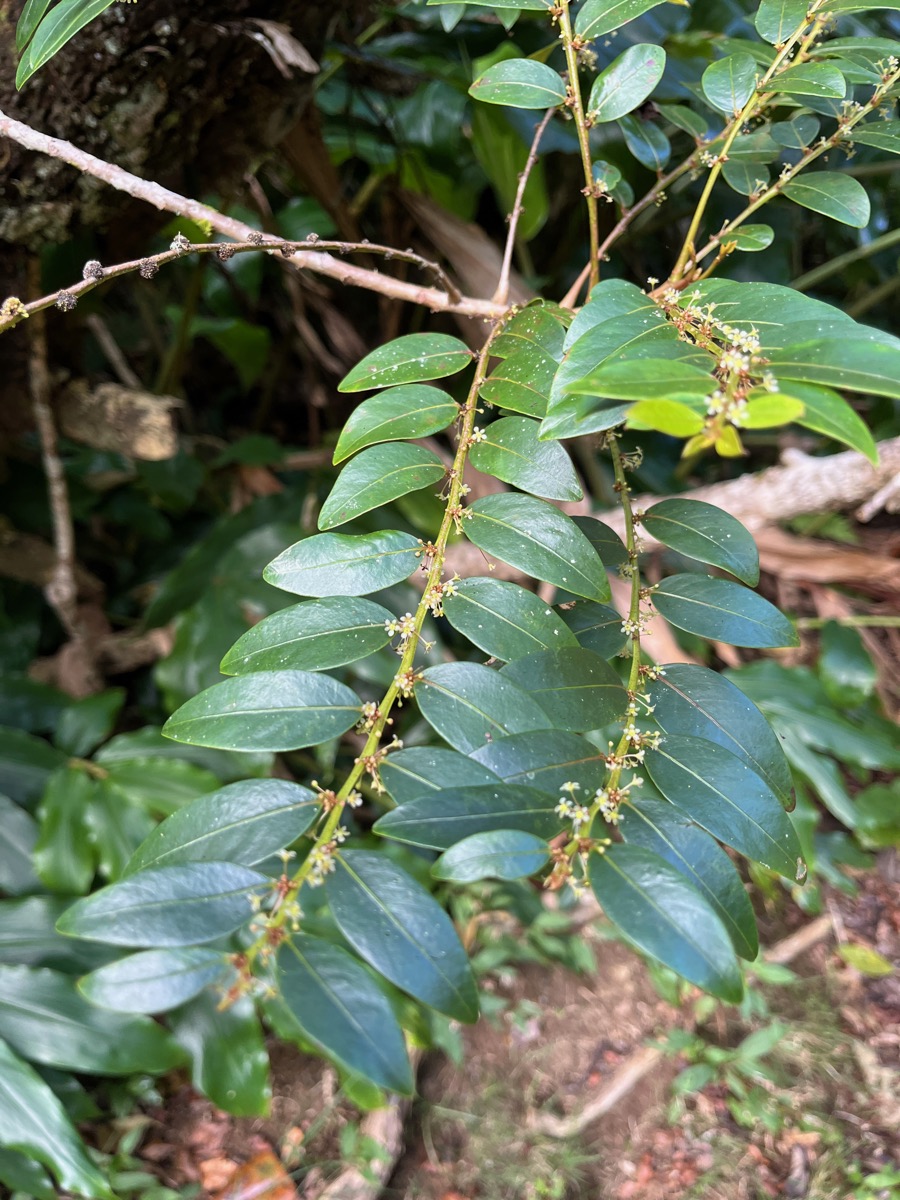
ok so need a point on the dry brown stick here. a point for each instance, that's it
(162, 198)
(501, 296)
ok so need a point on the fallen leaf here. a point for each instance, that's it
(261, 1178)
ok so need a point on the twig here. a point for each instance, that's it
(317, 260)
(838, 263)
(114, 355)
(501, 296)
(61, 590)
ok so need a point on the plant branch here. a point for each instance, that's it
(834, 265)
(501, 296)
(581, 126)
(316, 260)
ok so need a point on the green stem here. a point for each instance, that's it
(854, 622)
(811, 278)
(568, 38)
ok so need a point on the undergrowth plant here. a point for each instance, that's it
(562, 755)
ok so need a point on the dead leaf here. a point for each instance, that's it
(216, 1173)
(261, 1178)
(111, 417)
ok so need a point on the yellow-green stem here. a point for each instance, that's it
(581, 127)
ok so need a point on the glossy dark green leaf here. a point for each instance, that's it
(268, 710)
(87, 722)
(63, 855)
(596, 17)
(401, 931)
(576, 688)
(20, 833)
(840, 197)
(597, 627)
(57, 28)
(377, 476)
(43, 1016)
(746, 178)
(421, 770)
(313, 636)
(35, 1122)
(115, 829)
(662, 914)
(29, 19)
(660, 827)
(720, 792)
(159, 785)
(626, 82)
(339, 1007)
(845, 666)
(536, 327)
(645, 379)
(154, 981)
(229, 1062)
(685, 119)
(605, 541)
(776, 20)
(646, 141)
(522, 382)
(729, 82)
(440, 820)
(30, 706)
(167, 906)
(468, 704)
(26, 764)
(868, 363)
(242, 823)
(520, 83)
(723, 611)
(811, 79)
(341, 564)
(413, 411)
(798, 133)
(504, 620)
(883, 135)
(545, 759)
(500, 854)
(539, 539)
(28, 936)
(706, 533)
(752, 237)
(513, 453)
(409, 359)
(693, 700)
(25, 1176)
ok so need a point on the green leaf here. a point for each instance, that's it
(28, 936)
(409, 359)
(768, 410)
(24, 1175)
(597, 17)
(868, 962)
(167, 906)
(667, 416)
(597, 627)
(693, 700)
(469, 704)
(35, 1123)
(729, 83)
(26, 764)
(501, 854)
(746, 178)
(20, 833)
(660, 827)
(88, 722)
(751, 237)
(626, 82)
(57, 28)
(869, 364)
(313, 636)
(29, 20)
(810, 79)
(776, 20)
(403, 412)
(377, 476)
(796, 134)
(544, 759)
(520, 83)
(341, 564)
(244, 823)
(685, 119)
(419, 770)
(522, 382)
(536, 327)
(577, 689)
(154, 981)
(540, 540)
(645, 379)
(401, 931)
(723, 612)
(230, 1064)
(43, 1016)
(719, 791)
(502, 152)
(840, 197)
(269, 710)
(158, 785)
(883, 135)
(605, 541)
(439, 821)
(339, 1007)
(513, 453)
(845, 666)
(706, 533)
(63, 856)
(30, 706)
(664, 916)
(503, 619)
(646, 141)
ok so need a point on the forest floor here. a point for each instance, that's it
(809, 1109)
